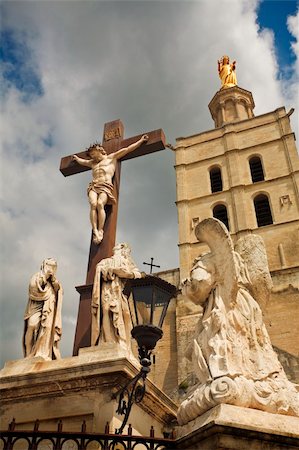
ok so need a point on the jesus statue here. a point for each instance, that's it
(100, 189)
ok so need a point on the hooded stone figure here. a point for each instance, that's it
(111, 319)
(42, 327)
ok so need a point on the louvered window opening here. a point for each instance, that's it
(263, 211)
(256, 169)
(220, 213)
(216, 180)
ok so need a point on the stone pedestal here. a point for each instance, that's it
(230, 105)
(76, 389)
(228, 427)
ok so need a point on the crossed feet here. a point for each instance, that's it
(98, 236)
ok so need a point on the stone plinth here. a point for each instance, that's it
(230, 105)
(76, 389)
(228, 427)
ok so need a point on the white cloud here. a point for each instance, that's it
(293, 27)
(152, 64)
(291, 86)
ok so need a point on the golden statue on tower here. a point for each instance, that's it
(227, 72)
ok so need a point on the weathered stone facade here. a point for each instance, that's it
(229, 148)
(240, 136)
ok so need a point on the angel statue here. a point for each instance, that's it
(231, 352)
(227, 72)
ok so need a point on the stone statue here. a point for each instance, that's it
(227, 72)
(111, 319)
(231, 352)
(100, 190)
(42, 331)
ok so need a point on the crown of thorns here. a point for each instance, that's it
(94, 145)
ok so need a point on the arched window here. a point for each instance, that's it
(262, 210)
(216, 179)
(256, 169)
(220, 213)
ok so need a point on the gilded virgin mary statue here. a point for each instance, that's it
(227, 72)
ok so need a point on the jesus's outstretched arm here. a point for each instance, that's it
(124, 151)
(82, 162)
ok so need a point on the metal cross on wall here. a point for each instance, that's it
(152, 265)
(113, 140)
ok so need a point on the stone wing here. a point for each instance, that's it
(253, 252)
(215, 234)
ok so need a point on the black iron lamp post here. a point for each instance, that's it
(148, 300)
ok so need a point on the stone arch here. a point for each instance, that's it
(220, 212)
(216, 182)
(262, 208)
(256, 168)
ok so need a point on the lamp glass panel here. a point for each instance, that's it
(140, 311)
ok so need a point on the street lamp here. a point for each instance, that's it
(148, 300)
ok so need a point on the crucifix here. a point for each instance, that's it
(152, 265)
(113, 140)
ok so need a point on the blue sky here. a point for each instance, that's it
(273, 14)
(69, 67)
(14, 53)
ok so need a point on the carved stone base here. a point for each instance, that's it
(235, 428)
(20, 366)
(274, 394)
(106, 350)
(78, 389)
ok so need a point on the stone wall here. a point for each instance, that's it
(281, 314)
(164, 371)
(230, 147)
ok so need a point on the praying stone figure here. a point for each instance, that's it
(231, 351)
(227, 72)
(42, 331)
(111, 319)
(100, 190)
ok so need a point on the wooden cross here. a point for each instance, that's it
(113, 140)
(152, 265)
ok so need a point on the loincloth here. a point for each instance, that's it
(103, 187)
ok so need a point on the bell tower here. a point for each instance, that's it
(245, 172)
(230, 105)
